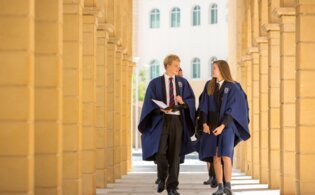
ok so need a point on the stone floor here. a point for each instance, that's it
(141, 179)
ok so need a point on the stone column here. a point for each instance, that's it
(249, 143)
(89, 101)
(305, 100)
(111, 66)
(48, 96)
(72, 94)
(255, 131)
(118, 113)
(274, 103)
(129, 116)
(17, 97)
(264, 108)
(288, 98)
(101, 174)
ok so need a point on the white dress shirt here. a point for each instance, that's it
(220, 83)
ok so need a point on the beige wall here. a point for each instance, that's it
(65, 88)
(274, 54)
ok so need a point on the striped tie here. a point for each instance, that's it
(172, 100)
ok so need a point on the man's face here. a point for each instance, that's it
(173, 68)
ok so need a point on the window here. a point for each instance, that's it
(196, 68)
(154, 69)
(196, 15)
(175, 17)
(212, 59)
(155, 18)
(214, 14)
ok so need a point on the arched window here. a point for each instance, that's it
(175, 17)
(155, 18)
(154, 69)
(214, 14)
(196, 15)
(212, 59)
(196, 68)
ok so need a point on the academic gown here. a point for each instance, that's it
(152, 122)
(234, 103)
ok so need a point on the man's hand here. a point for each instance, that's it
(218, 130)
(206, 128)
(179, 100)
(166, 111)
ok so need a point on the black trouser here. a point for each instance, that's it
(167, 157)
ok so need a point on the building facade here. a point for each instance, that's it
(196, 31)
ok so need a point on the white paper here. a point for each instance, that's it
(160, 104)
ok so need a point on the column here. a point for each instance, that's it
(89, 104)
(305, 100)
(72, 94)
(48, 96)
(111, 61)
(264, 109)
(17, 97)
(249, 142)
(129, 116)
(255, 131)
(274, 104)
(118, 113)
(288, 98)
(101, 174)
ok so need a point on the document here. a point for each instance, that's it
(160, 104)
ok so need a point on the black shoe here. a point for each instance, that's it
(207, 182)
(172, 192)
(161, 186)
(213, 183)
(220, 190)
(157, 181)
(227, 188)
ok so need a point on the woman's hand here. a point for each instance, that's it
(218, 130)
(206, 128)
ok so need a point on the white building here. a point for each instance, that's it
(195, 30)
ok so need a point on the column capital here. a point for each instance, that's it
(72, 8)
(262, 39)
(114, 40)
(252, 50)
(286, 11)
(246, 58)
(122, 49)
(271, 27)
(108, 27)
(90, 11)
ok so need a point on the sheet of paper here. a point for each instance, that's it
(160, 104)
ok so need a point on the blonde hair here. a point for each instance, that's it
(169, 59)
(225, 73)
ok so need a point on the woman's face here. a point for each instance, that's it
(215, 71)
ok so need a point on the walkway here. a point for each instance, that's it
(192, 174)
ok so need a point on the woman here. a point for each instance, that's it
(224, 115)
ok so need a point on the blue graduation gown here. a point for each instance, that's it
(234, 103)
(151, 122)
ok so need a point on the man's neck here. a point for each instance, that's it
(169, 74)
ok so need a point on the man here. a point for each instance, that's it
(166, 132)
(182, 157)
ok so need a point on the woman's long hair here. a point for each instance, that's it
(225, 73)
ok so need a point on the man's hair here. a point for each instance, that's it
(169, 59)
